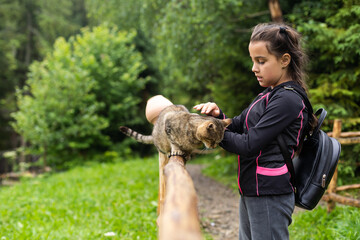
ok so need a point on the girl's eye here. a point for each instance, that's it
(260, 61)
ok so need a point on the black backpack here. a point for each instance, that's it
(311, 171)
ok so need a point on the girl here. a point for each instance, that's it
(267, 199)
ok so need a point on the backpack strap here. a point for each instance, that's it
(303, 95)
(322, 112)
(288, 160)
(280, 138)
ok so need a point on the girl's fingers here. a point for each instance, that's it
(199, 106)
(208, 108)
(204, 108)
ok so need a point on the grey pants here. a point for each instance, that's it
(266, 217)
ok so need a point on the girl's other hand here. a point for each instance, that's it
(209, 108)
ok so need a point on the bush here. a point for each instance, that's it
(75, 98)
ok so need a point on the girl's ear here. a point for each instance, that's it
(285, 60)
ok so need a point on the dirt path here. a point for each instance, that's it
(218, 205)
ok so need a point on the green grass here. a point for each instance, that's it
(84, 203)
(87, 202)
(220, 168)
(342, 223)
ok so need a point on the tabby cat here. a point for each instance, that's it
(179, 132)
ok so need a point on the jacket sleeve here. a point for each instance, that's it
(237, 122)
(281, 111)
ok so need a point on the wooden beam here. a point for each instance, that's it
(346, 134)
(348, 187)
(349, 141)
(341, 199)
(179, 218)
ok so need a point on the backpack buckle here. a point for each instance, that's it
(288, 88)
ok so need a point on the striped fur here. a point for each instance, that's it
(146, 139)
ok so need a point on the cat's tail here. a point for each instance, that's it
(137, 136)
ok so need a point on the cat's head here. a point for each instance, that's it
(211, 131)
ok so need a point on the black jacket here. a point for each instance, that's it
(252, 135)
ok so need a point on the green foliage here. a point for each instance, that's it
(112, 60)
(84, 203)
(331, 30)
(200, 47)
(28, 30)
(348, 167)
(54, 20)
(205, 47)
(80, 93)
(129, 15)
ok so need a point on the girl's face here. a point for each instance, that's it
(269, 70)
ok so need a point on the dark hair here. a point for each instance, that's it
(281, 39)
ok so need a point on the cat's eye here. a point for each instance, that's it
(210, 126)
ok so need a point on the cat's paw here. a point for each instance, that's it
(177, 153)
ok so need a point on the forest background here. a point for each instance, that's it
(73, 71)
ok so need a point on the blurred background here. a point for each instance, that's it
(73, 71)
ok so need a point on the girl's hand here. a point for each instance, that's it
(209, 108)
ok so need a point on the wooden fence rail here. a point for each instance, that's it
(177, 206)
(331, 197)
(179, 218)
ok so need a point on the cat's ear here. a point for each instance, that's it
(210, 126)
(226, 122)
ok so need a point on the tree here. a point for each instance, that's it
(332, 33)
(80, 93)
(200, 47)
(28, 29)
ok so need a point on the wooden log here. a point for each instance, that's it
(275, 11)
(348, 187)
(341, 199)
(332, 186)
(346, 134)
(348, 141)
(179, 218)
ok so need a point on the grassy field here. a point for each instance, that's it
(342, 223)
(119, 201)
(98, 201)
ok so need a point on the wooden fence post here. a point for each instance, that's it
(333, 184)
(163, 160)
(179, 218)
(275, 10)
(153, 108)
(177, 206)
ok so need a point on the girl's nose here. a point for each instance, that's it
(254, 68)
